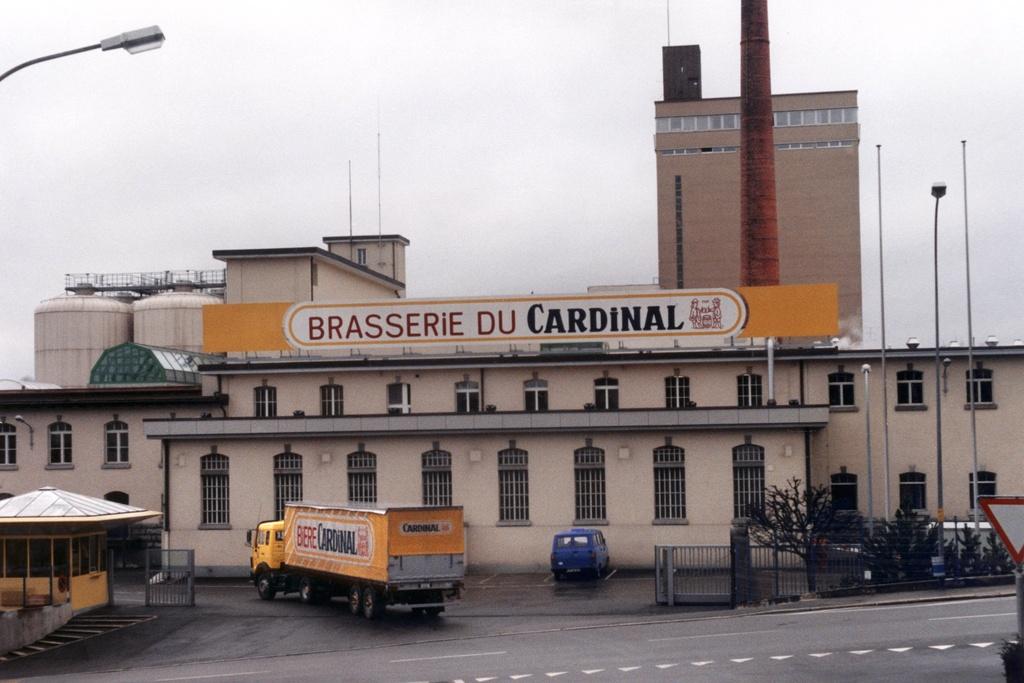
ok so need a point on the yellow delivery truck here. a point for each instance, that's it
(397, 555)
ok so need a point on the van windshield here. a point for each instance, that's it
(572, 541)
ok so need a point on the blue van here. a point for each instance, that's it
(579, 551)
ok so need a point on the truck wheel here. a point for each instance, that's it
(264, 586)
(373, 605)
(355, 599)
(307, 591)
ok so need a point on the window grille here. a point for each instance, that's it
(840, 389)
(213, 476)
(844, 491)
(677, 392)
(513, 485)
(287, 481)
(986, 485)
(535, 393)
(399, 399)
(265, 401)
(981, 380)
(748, 390)
(912, 491)
(747, 479)
(669, 483)
(910, 387)
(332, 400)
(362, 477)
(8, 444)
(590, 484)
(117, 442)
(467, 397)
(437, 477)
(60, 443)
(606, 393)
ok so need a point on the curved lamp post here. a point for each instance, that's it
(938, 191)
(133, 41)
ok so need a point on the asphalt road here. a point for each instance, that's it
(523, 627)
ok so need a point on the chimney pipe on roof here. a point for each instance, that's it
(759, 244)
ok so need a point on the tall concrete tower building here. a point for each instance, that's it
(697, 143)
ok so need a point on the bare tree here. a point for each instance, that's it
(800, 519)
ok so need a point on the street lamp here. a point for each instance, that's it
(866, 369)
(140, 40)
(938, 191)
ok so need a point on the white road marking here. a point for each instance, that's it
(779, 658)
(704, 663)
(667, 666)
(627, 669)
(430, 659)
(548, 578)
(710, 635)
(819, 654)
(880, 608)
(860, 652)
(974, 616)
(940, 647)
(552, 674)
(485, 679)
(198, 678)
(611, 574)
(741, 660)
(516, 677)
(899, 649)
(590, 672)
(488, 579)
(980, 644)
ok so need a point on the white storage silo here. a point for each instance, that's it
(72, 330)
(173, 320)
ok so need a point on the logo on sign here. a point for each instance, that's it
(332, 539)
(706, 314)
(430, 527)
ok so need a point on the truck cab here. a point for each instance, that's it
(266, 544)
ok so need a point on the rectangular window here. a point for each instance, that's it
(669, 483)
(437, 478)
(606, 393)
(60, 443)
(265, 401)
(361, 256)
(909, 387)
(214, 490)
(986, 485)
(590, 485)
(8, 444)
(840, 389)
(747, 479)
(513, 485)
(535, 393)
(332, 400)
(980, 380)
(912, 492)
(467, 397)
(117, 442)
(677, 392)
(362, 478)
(748, 390)
(399, 399)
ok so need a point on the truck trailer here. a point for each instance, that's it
(376, 557)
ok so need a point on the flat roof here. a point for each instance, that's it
(313, 252)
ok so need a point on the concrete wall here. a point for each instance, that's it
(24, 626)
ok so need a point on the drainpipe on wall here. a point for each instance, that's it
(770, 344)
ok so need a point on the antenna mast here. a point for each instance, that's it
(350, 247)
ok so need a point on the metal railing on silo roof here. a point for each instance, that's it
(145, 283)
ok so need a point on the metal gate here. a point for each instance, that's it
(693, 574)
(170, 577)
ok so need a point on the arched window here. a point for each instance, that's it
(8, 444)
(437, 477)
(116, 497)
(912, 492)
(362, 477)
(264, 399)
(748, 390)
(669, 483)
(844, 490)
(60, 443)
(747, 479)
(591, 501)
(116, 433)
(287, 481)
(513, 485)
(214, 491)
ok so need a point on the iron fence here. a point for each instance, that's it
(170, 577)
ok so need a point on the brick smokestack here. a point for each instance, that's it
(759, 244)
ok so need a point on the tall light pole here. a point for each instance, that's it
(938, 191)
(140, 40)
(866, 369)
(972, 386)
(885, 375)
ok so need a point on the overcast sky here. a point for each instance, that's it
(510, 131)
